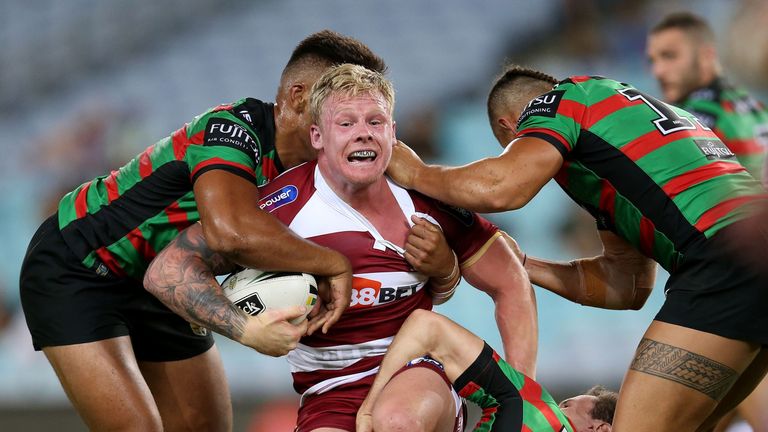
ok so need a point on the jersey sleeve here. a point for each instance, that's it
(467, 233)
(227, 144)
(556, 117)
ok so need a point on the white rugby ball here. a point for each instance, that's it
(255, 291)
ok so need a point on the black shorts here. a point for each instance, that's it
(715, 291)
(66, 303)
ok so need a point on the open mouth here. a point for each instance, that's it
(362, 156)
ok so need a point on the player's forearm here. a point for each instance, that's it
(182, 278)
(481, 186)
(561, 278)
(598, 282)
(258, 240)
(409, 343)
(238, 229)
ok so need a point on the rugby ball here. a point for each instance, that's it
(255, 291)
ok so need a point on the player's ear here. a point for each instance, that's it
(708, 53)
(297, 96)
(315, 137)
(604, 427)
(506, 124)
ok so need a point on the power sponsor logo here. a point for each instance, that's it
(714, 149)
(223, 132)
(543, 106)
(375, 289)
(279, 198)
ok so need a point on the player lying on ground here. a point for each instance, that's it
(510, 400)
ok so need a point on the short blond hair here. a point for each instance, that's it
(349, 80)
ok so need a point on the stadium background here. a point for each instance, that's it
(87, 84)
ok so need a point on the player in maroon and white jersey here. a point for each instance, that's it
(344, 202)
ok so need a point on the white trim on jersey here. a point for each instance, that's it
(333, 201)
(332, 383)
(307, 359)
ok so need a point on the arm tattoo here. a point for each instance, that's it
(182, 277)
(693, 370)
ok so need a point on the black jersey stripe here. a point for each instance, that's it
(145, 199)
(633, 183)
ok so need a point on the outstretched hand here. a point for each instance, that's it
(404, 166)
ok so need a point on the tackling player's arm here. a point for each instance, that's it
(620, 278)
(428, 333)
(235, 227)
(504, 182)
(182, 276)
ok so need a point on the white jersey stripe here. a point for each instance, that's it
(332, 383)
(307, 359)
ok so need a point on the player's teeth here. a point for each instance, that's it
(364, 154)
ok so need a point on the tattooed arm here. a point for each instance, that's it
(182, 276)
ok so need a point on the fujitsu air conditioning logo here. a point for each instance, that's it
(227, 133)
(544, 106)
(279, 198)
(713, 149)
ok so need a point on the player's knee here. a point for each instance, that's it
(201, 423)
(149, 422)
(420, 317)
(395, 419)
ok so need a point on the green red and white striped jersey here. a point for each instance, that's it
(121, 220)
(737, 118)
(650, 172)
(540, 411)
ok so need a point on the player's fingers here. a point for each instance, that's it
(411, 259)
(334, 315)
(316, 324)
(417, 245)
(302, 328)
(290, 312)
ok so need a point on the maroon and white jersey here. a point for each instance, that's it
(386, 289)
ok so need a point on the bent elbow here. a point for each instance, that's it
(641, 296)
(499, 202)
(505, 201)
(221, 239)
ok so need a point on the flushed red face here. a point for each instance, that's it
(676, 63)
(354, 139)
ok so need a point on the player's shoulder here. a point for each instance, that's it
(248, 111)
(288, 187)
(442, 211)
